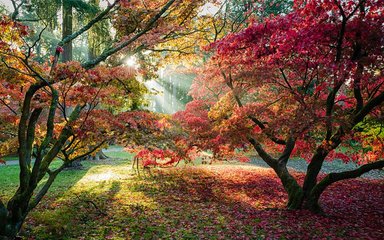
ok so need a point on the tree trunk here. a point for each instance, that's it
(11, 230)
(313, 170)
(98, 156)
(67, 30)
(76, 164)
(295, 192)
(13, 217)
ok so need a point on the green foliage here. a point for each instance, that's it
(45, 11)
(275, 7)
(82, 6)
(239, 10)
(119, 154)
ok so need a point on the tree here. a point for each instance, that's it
(38, 14)
(306, 84)
(186, 46)
(38, 89)
(156, 139)
(68, 21)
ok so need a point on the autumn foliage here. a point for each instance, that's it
(305, 84)
(69, 109)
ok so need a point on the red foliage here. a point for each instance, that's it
(157, 157)
(59, 49)
(282, 72)
(253, 198)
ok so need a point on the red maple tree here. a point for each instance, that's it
(307, 84)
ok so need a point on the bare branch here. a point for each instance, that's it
(7, 105)
(16, 8)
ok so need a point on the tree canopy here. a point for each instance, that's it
(283, 79)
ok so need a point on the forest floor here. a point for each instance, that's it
(106, 200)
(300, 165)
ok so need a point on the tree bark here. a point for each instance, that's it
(295, 192)
(67, 31)
(14, 216)
(76, 164)
(313, 170)
(312, 202)
(99, 155)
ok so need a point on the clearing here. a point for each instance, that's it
(106, 200)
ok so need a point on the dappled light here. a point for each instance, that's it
(231, 202)
(105, 176)
(191, 119)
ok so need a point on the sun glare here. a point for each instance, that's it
(105, 176)
(132, 62)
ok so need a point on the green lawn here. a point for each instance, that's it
(106, 200)
(10, 158)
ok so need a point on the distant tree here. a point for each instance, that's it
(187, 48)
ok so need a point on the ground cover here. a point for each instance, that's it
(106, 200)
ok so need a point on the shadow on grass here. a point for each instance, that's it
(77, 201)
(74, 216)
(206, 202)
(235, 203)
(45, 212)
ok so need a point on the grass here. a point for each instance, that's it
(119, 154)
(10, 158)
(106, 200)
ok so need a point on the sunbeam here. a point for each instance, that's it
(169, 91)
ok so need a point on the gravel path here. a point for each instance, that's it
(300, 165)
(10, 163)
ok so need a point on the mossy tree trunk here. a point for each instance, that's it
(13, 214)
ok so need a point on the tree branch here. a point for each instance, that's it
(98, 18)
(335, 177)
(329, 109)
(374, 102)
(89, 152)
(9, 107)
(16, 8)
(272, 162)
(22, 135)
(290, 145)
(229, 83)
(113, 50)
(48, 137)
(64, 135)
(31, 133)
(45, 188)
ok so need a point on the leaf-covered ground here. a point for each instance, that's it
(106, 200)
(300, 165)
